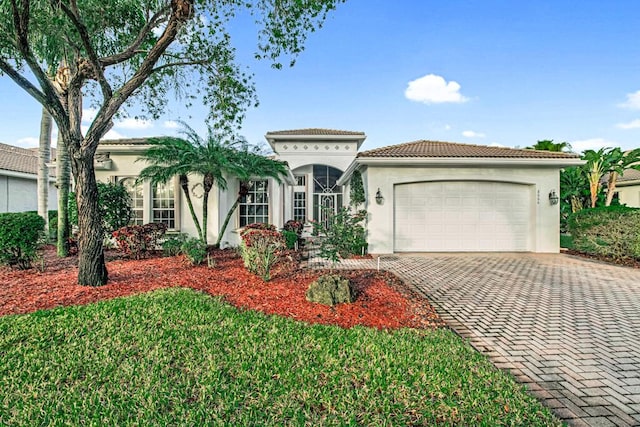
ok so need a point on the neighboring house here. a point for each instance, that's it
(433, 196)
(19, 180)
(628, 188)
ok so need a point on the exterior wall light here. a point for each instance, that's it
(553, 198)
(379, 198)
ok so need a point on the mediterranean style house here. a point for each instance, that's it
(19, 180)
(422, 196)
(628, 188)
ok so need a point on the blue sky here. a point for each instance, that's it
(483, 72)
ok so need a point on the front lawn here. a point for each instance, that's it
(181, 357)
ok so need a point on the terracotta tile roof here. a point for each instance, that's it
(451, 149)
(18, 159)
(629, 175)
(315, 132)
(125, 141)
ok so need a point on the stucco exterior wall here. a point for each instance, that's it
(546, 218)
(125, 164)
(629, 195)
(338, 154)
(21, 194)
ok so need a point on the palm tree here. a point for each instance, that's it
(597, 165)
(44, 157)
(249, 163)
(618, 162)
(549, 145)
(171, 156)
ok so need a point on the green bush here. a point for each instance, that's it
(172, 245)
(21, 234)
(260, 249)
(115, 207)
(611, 231)
(290, 238)
(344, 235)
(330, 289)
(53, 226)
(195, 250)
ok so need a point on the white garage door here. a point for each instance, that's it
(462, 216)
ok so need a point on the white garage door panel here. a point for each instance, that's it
(462, 216)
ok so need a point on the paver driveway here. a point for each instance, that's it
(567, 327)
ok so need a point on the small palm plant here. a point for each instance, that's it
(185, 157)
(248, 163)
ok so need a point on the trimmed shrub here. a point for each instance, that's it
(172, 245)
(612, 231)
(344, 235)
(21, 235)
(295, 226)
(195, 250)
(136, 241)
(260, 249)
(330, 290)
(290, 238)
(115, 206)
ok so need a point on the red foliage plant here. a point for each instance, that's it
(136, 241)
(382, 302)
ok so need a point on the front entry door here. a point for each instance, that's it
(327, 194)
(327, 204)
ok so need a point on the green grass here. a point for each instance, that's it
(179, 357)
(566, 241)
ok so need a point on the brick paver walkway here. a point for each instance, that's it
(567, 327)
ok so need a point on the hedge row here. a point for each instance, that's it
(611, 231)
(21, 234)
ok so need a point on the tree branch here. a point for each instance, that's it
(133, 49)
(180, 13)
(47, 97)
(73, 14)
(179, 64)
(22, 82)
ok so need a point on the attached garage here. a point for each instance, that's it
(462, 216)
(433, 196)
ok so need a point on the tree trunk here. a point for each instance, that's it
(44, 157)
(62, 182)
(207, 184)
(611, 187)
(92, 270)
(227, 219)
(184, 184)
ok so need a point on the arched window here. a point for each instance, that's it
(327, 195)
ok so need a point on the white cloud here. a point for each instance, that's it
(171, 124)
(433, 89)
(133, 123)
(88, 115)
(496, 144)
(632, 102)
(472, 134)
(591, 144)
(112, 134)
(634, 124)
(28, 142)
(447, 127)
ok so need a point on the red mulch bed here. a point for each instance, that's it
(382, 302)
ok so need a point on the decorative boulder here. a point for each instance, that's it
(330, 290)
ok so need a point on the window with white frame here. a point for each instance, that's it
(254, 207)
(300, 206)
(137, 199)
(163, 207)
